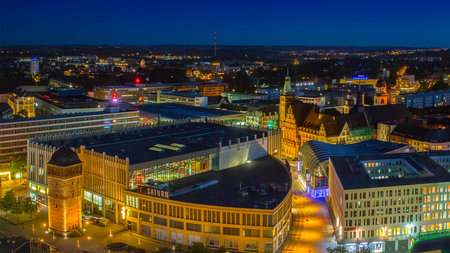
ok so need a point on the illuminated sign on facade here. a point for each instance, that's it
(153, 192)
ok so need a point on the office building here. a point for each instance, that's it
(313, 160)
(385, 201)
(22, 103)
(168, 112)
(5, 111)
(34, 66)
(14, 133)
(425, 99)
(422, 136)
(236, 96)
(186, 98)
(66, 101)
(258, 113)
(137, 92)
(185, 183)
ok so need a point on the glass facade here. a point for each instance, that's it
(170, 171)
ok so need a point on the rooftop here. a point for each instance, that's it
(160, 143)
(59, 116)
(419, 169)
(180, 111)
(128, 85)
(422, 132)
(261, 184)
(66, 99)
(368, 147)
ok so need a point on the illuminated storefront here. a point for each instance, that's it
(170, 171)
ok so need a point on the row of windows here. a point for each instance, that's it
(381, 211)
(196, 214)
(385, 202)
(392, 193)
(397, 231)
(206, 228)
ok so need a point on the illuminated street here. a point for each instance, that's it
(310, 228)
(94, 240)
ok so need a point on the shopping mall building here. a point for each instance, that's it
(193, 182)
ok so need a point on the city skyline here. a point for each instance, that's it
(348, 23)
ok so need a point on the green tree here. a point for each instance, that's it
(18, 165)
(29, 206)
(17, 207)
(8, 201)
(197, 247)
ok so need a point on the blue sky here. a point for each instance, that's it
(245, 22)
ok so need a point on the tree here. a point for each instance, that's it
(18, 165)
(29, 206)
(17, 207)
(197, 247)
(7, 202)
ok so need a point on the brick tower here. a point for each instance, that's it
(64, 176)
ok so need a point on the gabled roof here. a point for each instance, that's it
(308, 115)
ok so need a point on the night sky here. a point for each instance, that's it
(413, 23)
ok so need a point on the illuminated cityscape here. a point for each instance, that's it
(224, 127)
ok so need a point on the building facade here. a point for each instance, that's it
(22, 103)
(15, 133)
(384, 202)
(197, 189)
(425, 99)
(64, 192)
(302, 122)
(313, 160)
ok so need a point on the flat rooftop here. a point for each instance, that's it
(64, 115)
(150, 144)
(128, 85)
(263, 184)
(421, 170)
(180, 111)
(69, 101)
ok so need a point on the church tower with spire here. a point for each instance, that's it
(287, 96)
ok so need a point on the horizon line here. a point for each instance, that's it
(208, 45)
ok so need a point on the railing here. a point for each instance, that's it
(430, 235)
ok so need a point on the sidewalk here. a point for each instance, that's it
(94, 240)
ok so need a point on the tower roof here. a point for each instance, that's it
(64, 157)
(287, 83)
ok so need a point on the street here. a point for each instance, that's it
(310, 230)
(94, 240)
